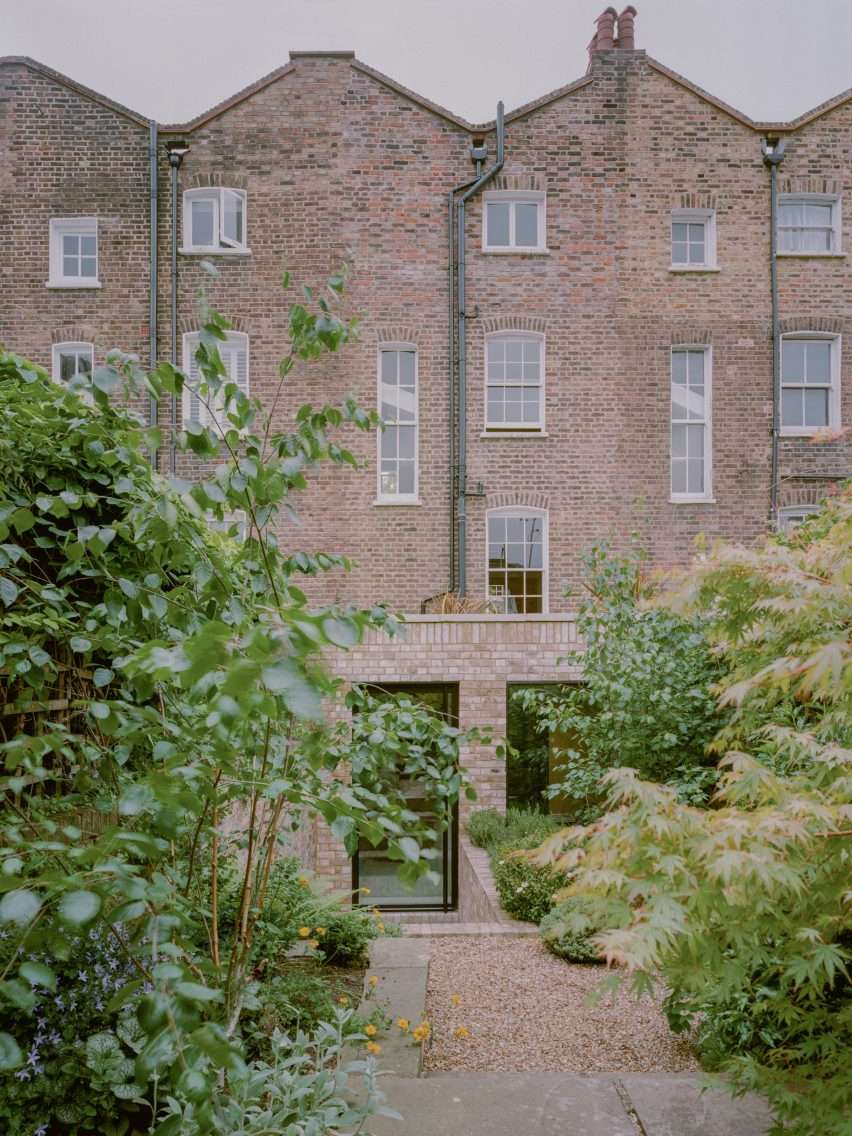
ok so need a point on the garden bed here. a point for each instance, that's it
(523, 1009)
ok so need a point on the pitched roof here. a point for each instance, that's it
(474, 128)
(72, 84)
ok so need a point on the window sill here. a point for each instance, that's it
(692, 269)
(807, 431)
(214, 252)
(514, 434)
(73, 284)
(812, 255)
(516, 252)
(396, 502)
(684, 500)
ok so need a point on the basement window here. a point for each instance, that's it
(73, 253)
(214, 220)
(791, 516)
(73, 364)
(513, 222)
(809, 224)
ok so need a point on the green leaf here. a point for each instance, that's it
(37, 974)
(198, 993)
(10, 1053)
(20, 906)
(8, 591)
(79, 907)
(103, 676)
(409, 848)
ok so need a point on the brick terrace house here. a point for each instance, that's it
(569, 326)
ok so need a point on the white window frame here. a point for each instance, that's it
(517, 429)
(834, 392)
(523, 511)
(513, 197)
(705, 217)
(190, 346)
(61, 227)
(707, 495)
(78, 346)
(790, 516)
(224, 246)
(398, 498)
(832, 199)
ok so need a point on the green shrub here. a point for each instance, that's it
(568, 929)
(347, 936)
(526, 890)
(517, 828)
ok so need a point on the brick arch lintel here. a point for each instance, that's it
(73, 333)
(803, 184)
(694, 201)
(214, 178)
(524, 498)
(829, 324)
(396, 333)
(690, 333)
(810, 493)
(514, 323)
(518, 182)
(189, 324)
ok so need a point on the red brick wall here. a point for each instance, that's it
(340, 166)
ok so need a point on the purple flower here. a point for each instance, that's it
(41, 1130)
(24, 1074)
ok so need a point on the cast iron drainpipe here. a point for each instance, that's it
(461, 513)
(152, 309)
(773, 154)
(176, 153)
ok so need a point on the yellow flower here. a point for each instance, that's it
(381, 928)
(456, 999)
(375, 911)
(422, 1031)
(370, 1030)
(343, 1000)
(313, 944)
(365, 891)
(403, 1024)
(373, 980)
(461, 1032)
(319, 930)
(373, 1047)
(304, 932)
(304, 882)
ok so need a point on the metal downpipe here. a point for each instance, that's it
(773, 155)
(152, 306)
(461, 490)
(176, 153)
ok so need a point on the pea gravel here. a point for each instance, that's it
(526, 1010)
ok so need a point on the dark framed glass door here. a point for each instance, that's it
(372, 867)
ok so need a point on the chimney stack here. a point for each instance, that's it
(606, 37)
(625, 29)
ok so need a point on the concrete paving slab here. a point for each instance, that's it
(564, 1104)
(385, 953)
(672, 1104)
(503, 1104)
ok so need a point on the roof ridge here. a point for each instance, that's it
(485, 127)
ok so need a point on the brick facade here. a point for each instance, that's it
(340, 163)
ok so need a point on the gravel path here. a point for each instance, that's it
(526, 1010)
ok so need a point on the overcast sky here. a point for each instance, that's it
(171, 59)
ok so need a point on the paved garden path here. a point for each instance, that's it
(478, 1102)
(564, 1104)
